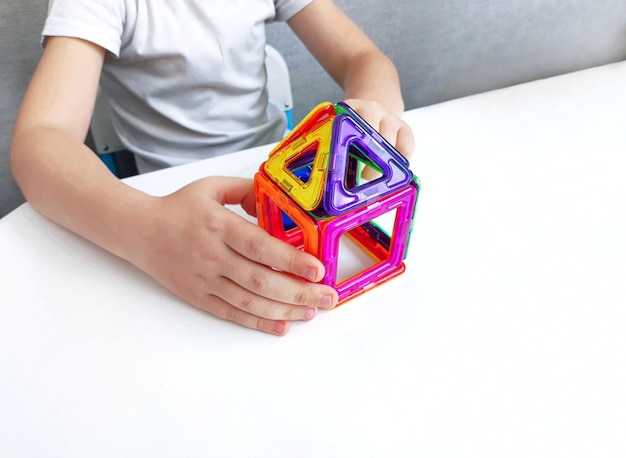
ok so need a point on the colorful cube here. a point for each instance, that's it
(310, 194)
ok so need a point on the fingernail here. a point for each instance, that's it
(279, 328)
(309, 313)
(311, 273)
(326, 301)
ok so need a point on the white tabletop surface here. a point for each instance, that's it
(506, 336)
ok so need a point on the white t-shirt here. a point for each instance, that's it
(185, 78)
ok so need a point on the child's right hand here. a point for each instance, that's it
(219, 262)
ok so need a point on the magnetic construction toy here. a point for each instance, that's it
(309, 193)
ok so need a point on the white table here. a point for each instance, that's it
(505, 337)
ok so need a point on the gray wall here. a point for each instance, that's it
(443, 49)
(20, 26)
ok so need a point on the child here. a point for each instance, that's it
(186, 81)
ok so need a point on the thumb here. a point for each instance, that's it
(236, 191)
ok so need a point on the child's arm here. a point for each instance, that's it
(369, 79)
(187, 241)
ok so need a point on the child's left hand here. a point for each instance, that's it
(390, 126)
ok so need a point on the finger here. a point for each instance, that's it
(253, 242)
(370, 174)
(260, 306)
(222, 309)
(234, 191)
(370, 111)
(405, 141)
(278, 286)
(388, 128)
(399, 134)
